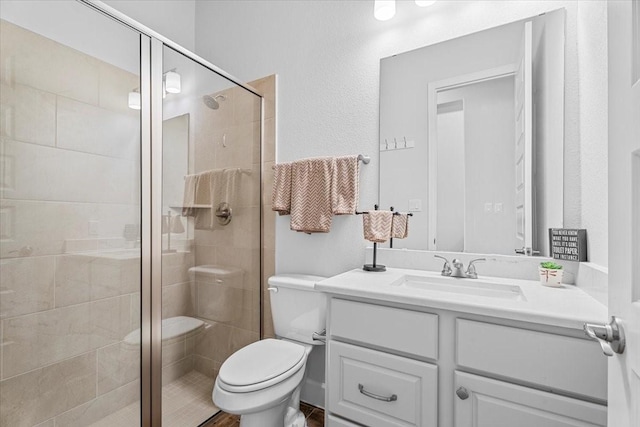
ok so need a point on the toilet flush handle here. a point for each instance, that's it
(273, 289)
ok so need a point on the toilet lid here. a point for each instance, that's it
(260, 362)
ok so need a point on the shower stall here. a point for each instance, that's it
(130, 220)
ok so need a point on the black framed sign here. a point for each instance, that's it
(569, 244)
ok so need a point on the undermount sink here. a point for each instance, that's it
(473, 287)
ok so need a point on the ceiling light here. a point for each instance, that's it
(384, 10)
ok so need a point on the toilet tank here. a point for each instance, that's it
(297, 309)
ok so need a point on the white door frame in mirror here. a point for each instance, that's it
(432, 141)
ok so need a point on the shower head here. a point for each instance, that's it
(212, 101)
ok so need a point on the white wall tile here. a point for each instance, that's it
(26, 285)
(35, 61)
(97, 409)
(44, 173)
(41, 394)
(28, 114)
(84, 127)
(117, 365)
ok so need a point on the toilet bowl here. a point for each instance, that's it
(262, 381)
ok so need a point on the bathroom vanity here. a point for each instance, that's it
(413, 348)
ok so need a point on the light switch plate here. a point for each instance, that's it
(415, 205)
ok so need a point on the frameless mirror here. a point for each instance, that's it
(472, 138)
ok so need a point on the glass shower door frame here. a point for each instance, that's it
(151, 76)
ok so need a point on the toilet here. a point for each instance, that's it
(262, 381)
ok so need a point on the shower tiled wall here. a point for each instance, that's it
(69, 183)
(231, 139)
(69, 156)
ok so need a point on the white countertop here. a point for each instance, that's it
(566, 306)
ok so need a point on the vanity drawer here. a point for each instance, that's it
(361, 379)
(557, 362)
(397, 329)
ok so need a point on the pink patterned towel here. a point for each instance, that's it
(377, 226)
(345, 185)
(311, 210)
(281, 194)
(400, 226)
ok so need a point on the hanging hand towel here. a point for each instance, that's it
(229, 187)
(189, 196)
(311, 194)
(400, 226)
(208, 193)
(377, 226)
(281, 193)
(345, 185)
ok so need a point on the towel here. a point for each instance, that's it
(228, 188)
(400, 226)
(377, 226)
(281, 195)
(345, 185)
(207, 196)
(189, 196)
(220, 186)
(311, 210)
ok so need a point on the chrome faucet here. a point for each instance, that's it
(458, 268)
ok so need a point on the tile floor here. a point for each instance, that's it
(185, 402)
(315, 418)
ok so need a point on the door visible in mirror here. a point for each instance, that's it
(484, 115)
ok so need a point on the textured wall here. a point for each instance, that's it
(174, 19)
(327, 54)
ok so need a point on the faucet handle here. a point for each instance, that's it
(471, 269)
(446, 268)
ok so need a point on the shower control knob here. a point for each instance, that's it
(462, 393)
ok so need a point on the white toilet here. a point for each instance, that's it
(261, 382)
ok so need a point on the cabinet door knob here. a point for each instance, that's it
(462, 393)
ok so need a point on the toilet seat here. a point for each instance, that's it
(261, 365)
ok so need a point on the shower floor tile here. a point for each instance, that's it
(186, 402)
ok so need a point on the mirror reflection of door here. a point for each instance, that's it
(475, 167)
(450, 186)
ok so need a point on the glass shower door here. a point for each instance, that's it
(210, 232)
(69, 217)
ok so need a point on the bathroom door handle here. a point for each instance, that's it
(609, 336)
(391, 398)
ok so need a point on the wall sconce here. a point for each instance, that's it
(172, 82)
(134, 99)
(425, 3)
(384, 10)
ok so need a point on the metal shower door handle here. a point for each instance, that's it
(609, 336)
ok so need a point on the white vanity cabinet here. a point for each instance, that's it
(392, 364)
(369, 385)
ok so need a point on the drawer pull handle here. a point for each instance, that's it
(391, 398)
(462, 393)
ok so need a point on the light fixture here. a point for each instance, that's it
(134, 99)
(425, 3)
(172, 82)
(384, 10)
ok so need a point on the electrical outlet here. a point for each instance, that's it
(498, 208)
(488, 207)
